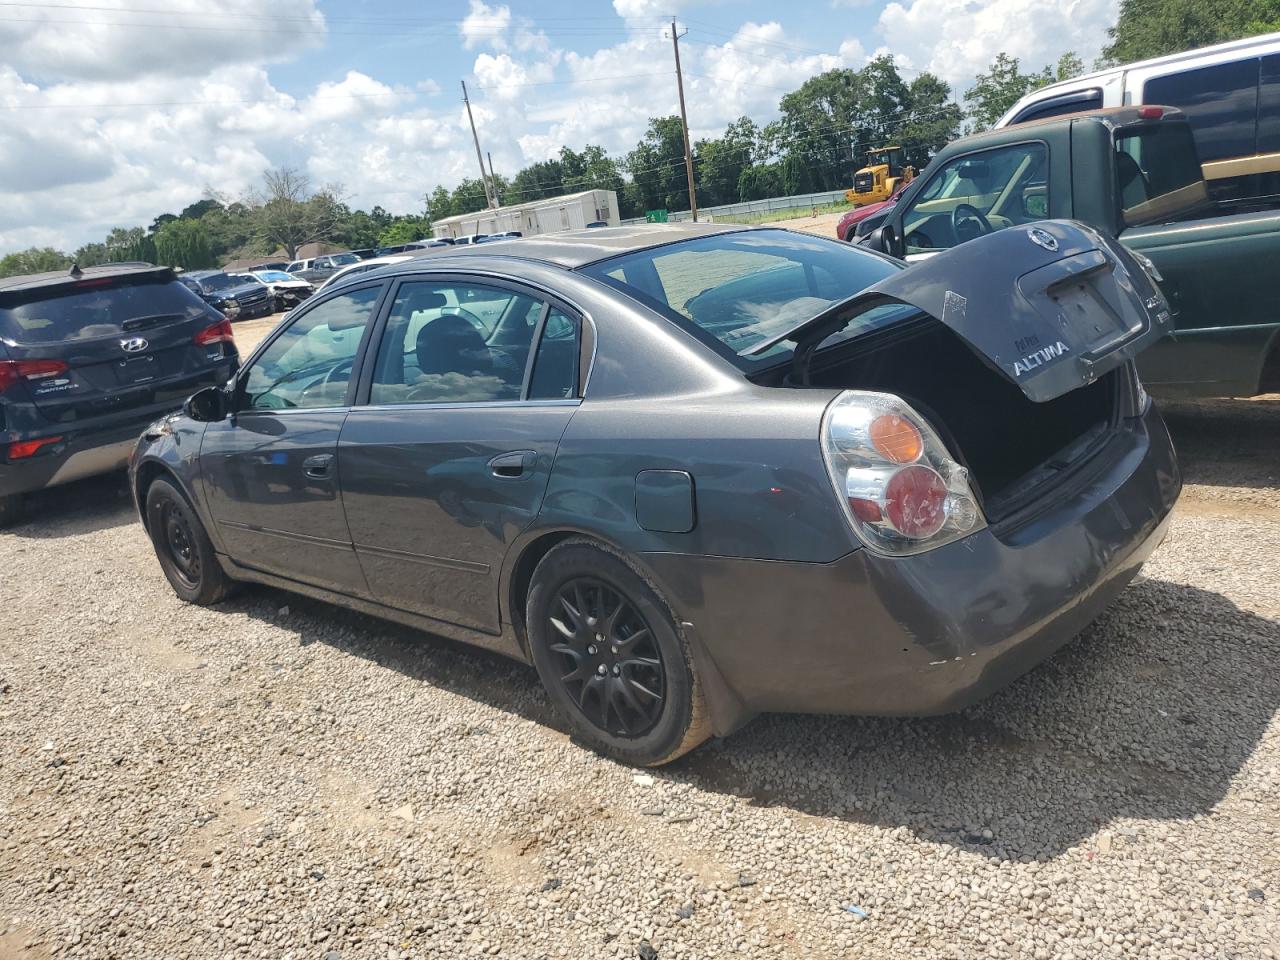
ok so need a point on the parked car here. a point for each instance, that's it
(364, 266)
(238, 296)
(415, 245)
(287, 291)
(470, 238)
(318, 269)
(694, 472)
(269, 265)
(847, 227)
(1132, 172)
(87, 359)
(1230, 93)
(366, 253)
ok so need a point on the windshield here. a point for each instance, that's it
(67, 313)
(220, 281)
(1158, 171)
(273, 276)
(734, 291)
(342, 259)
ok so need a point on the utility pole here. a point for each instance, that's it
(497, 200)
(484, 177)
(684, 120)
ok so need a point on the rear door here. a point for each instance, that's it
(124, 341)
(270, 470)
(449, 459)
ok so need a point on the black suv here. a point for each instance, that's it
(236, 295)
(88, 358)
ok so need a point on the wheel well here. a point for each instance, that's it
(523, 574)
(148, 473)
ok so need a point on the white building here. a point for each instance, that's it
(570, 212)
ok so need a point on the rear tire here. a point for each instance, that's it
(183, 548)
(12, 508)
(610, 656)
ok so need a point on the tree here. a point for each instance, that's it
(721, 161)
(759, 182)
(288, 213)
(1152, 28)
(657, 168)
(91, 254)
(1068, 67)
(33, 260)
(130, 244)
(184, 243)
(933, 121)
(405, 230)
(998, 89)
(544, 178)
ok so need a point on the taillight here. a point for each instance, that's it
(27, 448)
(15, 371)
(219, 332)
(901, 491)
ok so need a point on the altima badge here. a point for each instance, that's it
(133, 345)
(1043, 238)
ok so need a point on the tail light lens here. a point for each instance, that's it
(219, 332)
(29, 448)
(901, 491)
(16, 371)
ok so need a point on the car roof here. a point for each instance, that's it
(53, 278)
(574, 248)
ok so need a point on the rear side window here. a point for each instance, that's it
(1221, 102)
(1158, 172)
(95, 307)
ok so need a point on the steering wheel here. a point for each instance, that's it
(963, 220)
(468, 316)
(332, 375)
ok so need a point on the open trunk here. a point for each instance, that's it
(1014, 448)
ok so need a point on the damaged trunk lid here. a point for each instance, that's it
(1052, 306)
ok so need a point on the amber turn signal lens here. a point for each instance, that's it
(897, 439)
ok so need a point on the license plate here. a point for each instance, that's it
(136, 370)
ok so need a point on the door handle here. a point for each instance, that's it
(514, 465)
(317, 467)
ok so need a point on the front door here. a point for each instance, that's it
(270, 469)
(449, 460)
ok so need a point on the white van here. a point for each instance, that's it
(1229, 92)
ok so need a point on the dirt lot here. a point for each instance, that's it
(276, 778)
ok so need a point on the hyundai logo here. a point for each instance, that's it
(133, 345)
(1043, 238)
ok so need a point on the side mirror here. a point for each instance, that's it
(208, 405)
(884, 239)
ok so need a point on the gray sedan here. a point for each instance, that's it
(692, 473)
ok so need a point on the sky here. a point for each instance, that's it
(115, 111)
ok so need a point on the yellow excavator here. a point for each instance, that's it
(882, 175)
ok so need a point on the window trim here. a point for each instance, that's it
(1061, 99)
(909, 206)
(547, 297)
(242, 375)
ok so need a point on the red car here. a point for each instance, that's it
(849, 222)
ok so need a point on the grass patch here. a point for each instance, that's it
(790, 213)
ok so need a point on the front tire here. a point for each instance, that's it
(610, 656)
(183, 548)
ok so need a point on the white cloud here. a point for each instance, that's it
(485, 24)
(959, 38)
(645, 8)
(116, 40)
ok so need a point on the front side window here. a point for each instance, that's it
(454, 342)
(1157, 172)
(976, 194)
(309, 364)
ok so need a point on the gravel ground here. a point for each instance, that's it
(276, 778)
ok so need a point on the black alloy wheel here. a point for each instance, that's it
(612, 665)
(608, 651)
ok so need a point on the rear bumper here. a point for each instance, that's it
(935, 632)
(91, 448)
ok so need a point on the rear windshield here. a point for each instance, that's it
(342, 259)
(734, 291)
(1158, 171)
(222, 281)
(92, 309)
(273, 276)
